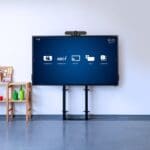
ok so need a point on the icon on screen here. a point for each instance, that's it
(62, 58)
(103, 57)
(90, 58)
(48, 58)
(75, 57)
(111, 40)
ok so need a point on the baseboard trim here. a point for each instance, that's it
(81, 117)
(34, 117)
(121, 117)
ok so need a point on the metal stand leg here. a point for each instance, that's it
(64, 102)
(86, 102)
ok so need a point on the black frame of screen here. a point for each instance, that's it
(70, 84)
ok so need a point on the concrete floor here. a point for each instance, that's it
(75, 135)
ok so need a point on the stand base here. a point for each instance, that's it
(64, 103)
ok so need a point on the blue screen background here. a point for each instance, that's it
(80, 72)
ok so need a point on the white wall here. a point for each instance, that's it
(129, 19)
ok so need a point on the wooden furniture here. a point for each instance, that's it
(6, 75)
(5, 96)
(27, 101)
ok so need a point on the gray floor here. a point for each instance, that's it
(75, 135)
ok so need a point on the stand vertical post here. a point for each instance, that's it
(86, 102)
(64, 102)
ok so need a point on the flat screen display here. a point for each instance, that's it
(75, 60)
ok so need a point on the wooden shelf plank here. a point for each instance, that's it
(3, 101)
(17, 84)
(17, 101)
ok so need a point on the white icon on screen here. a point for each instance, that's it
(48, 58)
(75, 57)
(90, 58)
(111, 40)
(62, 58)
(103, 57)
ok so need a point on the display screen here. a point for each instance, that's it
(75, 60)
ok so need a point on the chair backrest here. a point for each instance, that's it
(6, 73)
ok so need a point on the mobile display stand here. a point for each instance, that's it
(65, 89)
